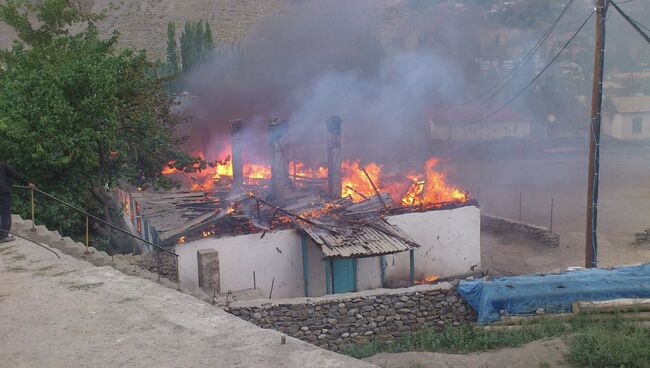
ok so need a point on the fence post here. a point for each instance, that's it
(519, 206)
(551, 224)
(87, 235)
(33, 210)
(178, 274)
(133, 255)
(158, 256)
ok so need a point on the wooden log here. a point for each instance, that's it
(522, 320)
(612, 306)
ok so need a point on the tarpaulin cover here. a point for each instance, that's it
(555, 293)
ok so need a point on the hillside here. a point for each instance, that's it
(143, 23)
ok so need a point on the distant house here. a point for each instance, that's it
(504, 124)
(627, 118)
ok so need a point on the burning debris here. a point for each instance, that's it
(335, 205)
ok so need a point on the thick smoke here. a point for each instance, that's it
(319, 59)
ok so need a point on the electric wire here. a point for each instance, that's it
(503, 82)
(546, 67)
(636, 25)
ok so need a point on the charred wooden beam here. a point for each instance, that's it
(236, 146)
(279, 165)
(334, 156)
(374, 187)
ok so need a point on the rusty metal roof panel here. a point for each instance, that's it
(369, 239)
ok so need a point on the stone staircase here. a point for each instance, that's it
(124, 263)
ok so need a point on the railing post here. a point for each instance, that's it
(87, 236)
(133, 255)
(33, 210)
(178, 274)
(159, 270)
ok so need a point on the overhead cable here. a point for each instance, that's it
(548, 65)
(501, 84)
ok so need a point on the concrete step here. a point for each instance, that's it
(25, 224)
(43, 231)
(122, 262)
(17, 220)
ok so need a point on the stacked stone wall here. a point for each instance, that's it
(503, 225)
(333, 322)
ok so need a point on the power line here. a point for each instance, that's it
(501, 84)
(548, 65)
(633, 23)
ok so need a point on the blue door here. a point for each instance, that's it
(344, 275)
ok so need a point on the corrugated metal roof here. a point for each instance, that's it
(631, 104)
(371, 238)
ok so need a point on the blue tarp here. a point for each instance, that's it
(554, 292)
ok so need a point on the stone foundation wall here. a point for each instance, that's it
(334, 321)
(504, 225)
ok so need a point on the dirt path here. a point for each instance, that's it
(69, 313)
(543, 353)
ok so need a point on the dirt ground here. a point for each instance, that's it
(624, 206)
(543, 353)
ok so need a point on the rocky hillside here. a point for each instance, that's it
(143, 23)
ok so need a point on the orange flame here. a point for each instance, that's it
(429, 188)
(432, 188)
(302, 171)
(355, 183)
(429, 279)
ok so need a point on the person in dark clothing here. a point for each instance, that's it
(6, 174)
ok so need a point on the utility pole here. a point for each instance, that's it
(591, 244)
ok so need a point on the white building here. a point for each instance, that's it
(470, 127)
(294, 265)
(627, 118)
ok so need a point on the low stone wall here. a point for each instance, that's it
(504, 225)
(334, 321)
(642, 238)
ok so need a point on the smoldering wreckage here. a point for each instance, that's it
(289, 230)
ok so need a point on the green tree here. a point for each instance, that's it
(188, 47)
(208, 41)
(78, 116)
(172, 49)
(196, 44)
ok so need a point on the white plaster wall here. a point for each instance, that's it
(278, 255)
(450, 244)
(628, 124)
(316, 270)
(368, 273)
(491, 130)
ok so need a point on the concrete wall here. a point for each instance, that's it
(450, 244)
(278, 255)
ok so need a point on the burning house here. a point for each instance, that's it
(292, 230)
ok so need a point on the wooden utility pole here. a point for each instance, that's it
(591, 244)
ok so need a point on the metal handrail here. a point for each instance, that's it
(112, 226)
(96, 218)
